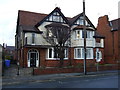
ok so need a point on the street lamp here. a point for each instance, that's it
(18, 71)
(84, 29)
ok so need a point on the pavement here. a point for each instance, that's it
(10, 76)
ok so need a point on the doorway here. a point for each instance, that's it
(33, 58)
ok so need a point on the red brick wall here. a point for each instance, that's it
(118, 46)
(56, 63)
(43, 62)
(23, 58)
(111, 40)
(38, 71)
(42, 57)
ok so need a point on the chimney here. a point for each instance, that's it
(4, 45)
(103, 20)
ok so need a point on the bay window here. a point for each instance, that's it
(51, 54)
(79, 34)
(79, 53)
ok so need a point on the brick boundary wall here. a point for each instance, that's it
(38, 71)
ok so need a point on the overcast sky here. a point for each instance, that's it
(9, 11)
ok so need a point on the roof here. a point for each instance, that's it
(30, 20)
(97, 35)
(72, 20)
(10, 48)
(54, 24)
(56, 9)
(30, 29)
(82, 27)
(27, 20)
(115, 24)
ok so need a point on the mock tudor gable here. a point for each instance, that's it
(55, 16)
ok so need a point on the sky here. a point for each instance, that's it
(70, 8)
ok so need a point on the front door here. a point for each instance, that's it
(33, 60)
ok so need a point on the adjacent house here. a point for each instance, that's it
(33, 50)
(1, 48)
(9, 53)
(111, 31)
(1, 52)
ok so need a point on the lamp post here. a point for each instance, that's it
(84, 29)
(18, 71)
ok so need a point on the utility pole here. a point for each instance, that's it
(84, 29)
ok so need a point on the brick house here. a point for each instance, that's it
(32, 50)
(9, 53)
(1, 48)
(111, 31)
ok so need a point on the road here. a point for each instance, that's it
(92, 81)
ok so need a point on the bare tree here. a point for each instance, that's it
(57, 35)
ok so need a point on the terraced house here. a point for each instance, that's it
(34, 50)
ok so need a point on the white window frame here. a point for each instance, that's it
(78, 35)
(33, 38)
(66, 54)
(29, 55)
(90, 34)
(82, 53)
(91, 53)
(56, 18)
(76, 53)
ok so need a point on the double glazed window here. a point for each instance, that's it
(53, 55)
(79, 53)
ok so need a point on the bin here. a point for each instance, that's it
(7, 63)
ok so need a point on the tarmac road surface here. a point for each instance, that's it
(107, 81)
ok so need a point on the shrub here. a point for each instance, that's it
(8, 57)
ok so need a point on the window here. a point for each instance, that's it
(89, 54)
(50, 52)
(56, 18)
(81, 22)
(89, 34)
(78, 34)
(79, 53)
(53, 55)
(33, 38)
(66, 53)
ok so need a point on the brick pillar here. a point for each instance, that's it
(42, 57)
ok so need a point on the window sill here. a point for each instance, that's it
(83, 58)
(55, 59)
